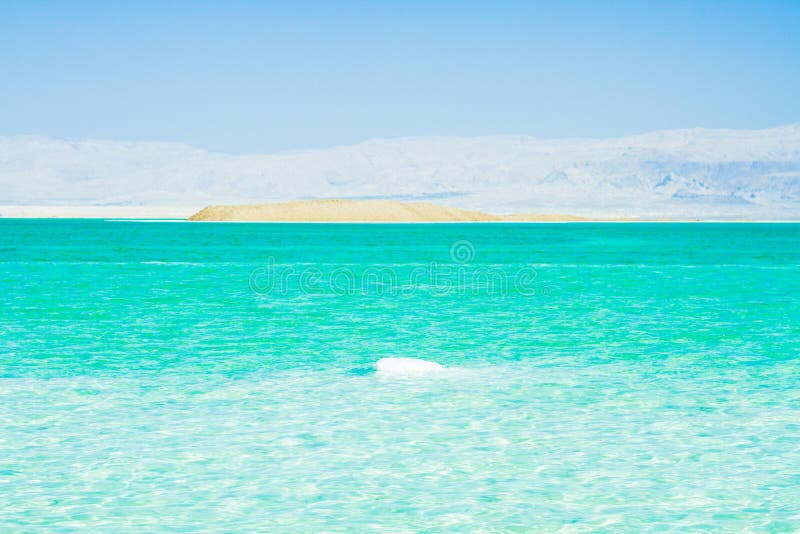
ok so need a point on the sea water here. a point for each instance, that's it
(595, 377)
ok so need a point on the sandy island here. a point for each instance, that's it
(361, 211)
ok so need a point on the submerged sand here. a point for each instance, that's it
(360, 211)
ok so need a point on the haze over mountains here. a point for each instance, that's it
(691, 173)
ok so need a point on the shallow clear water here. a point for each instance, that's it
(611, 377)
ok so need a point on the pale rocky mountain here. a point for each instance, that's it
(691, 173)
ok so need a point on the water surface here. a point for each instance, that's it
(171, 376)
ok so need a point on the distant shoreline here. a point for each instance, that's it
(232, 214)
(96, 212)
(367, 211)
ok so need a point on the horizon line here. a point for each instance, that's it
(80, 140)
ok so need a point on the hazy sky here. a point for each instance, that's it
(261, 77)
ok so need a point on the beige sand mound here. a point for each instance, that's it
(543, 217)
(359, 211)
(341, 211)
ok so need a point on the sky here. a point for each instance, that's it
(257, 77)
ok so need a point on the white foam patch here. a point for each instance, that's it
(406, 367)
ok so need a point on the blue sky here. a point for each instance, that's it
(261, 77)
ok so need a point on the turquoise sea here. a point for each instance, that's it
(168, 376)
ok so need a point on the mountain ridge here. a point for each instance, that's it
(698, 172)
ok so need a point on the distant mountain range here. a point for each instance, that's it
(703, 173)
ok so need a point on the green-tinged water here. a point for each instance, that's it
(599, 377)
